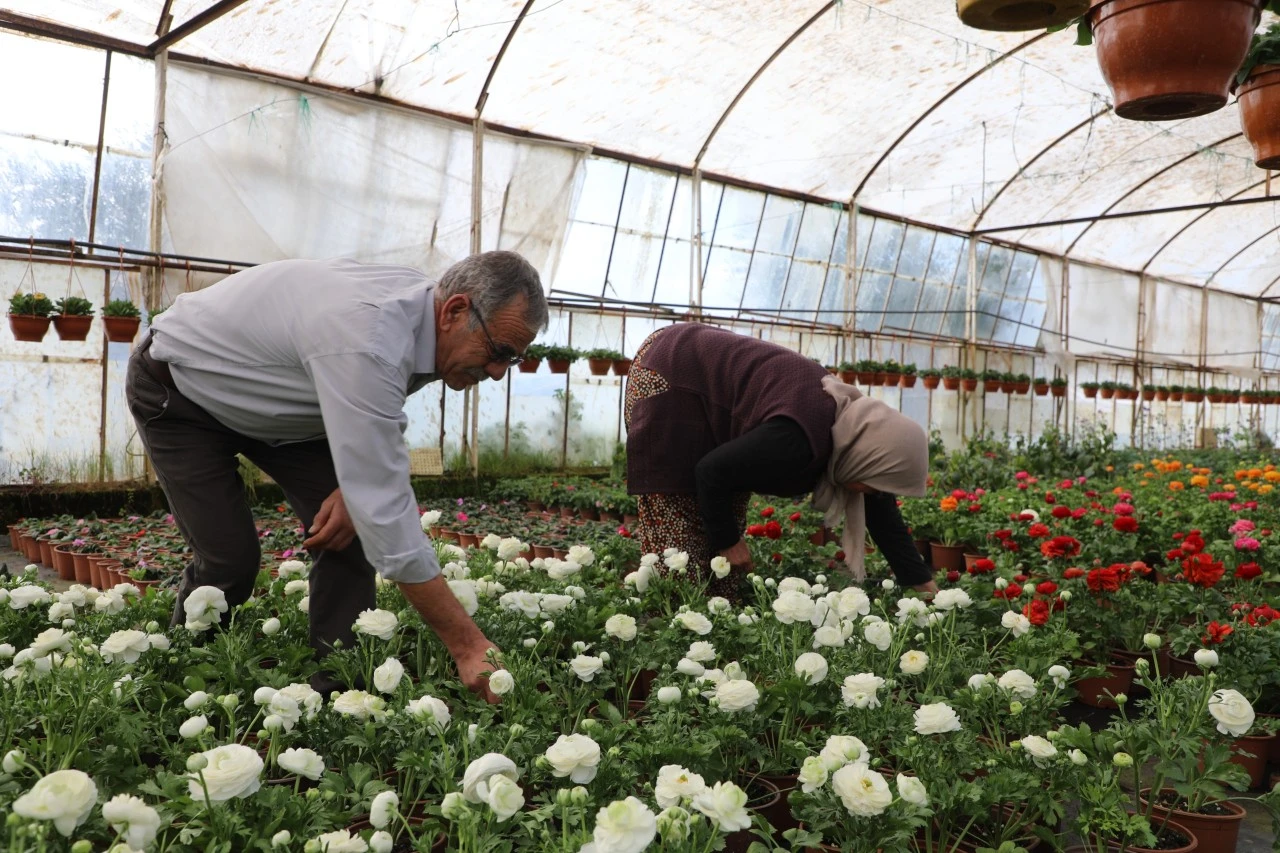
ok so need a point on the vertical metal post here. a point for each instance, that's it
(568, 401)
(622, 381)
(506, 427)
(93, 225)
(477, 211)
(102, 420)
(971, 335)
(851, 285)
(695, 255)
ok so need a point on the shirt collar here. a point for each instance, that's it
(424, 354)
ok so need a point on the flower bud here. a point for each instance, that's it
(82, 846)
(530, 642)
(1206, 658)
(588, 724)
(516, 730)
(229, 701)
(1152, 641)
(1015, 707)
(197, 762)
(13, 760)
(1065, 595)
(579, 796)
(273, 723)
(1078, 758)
(281, 838)
(887, 583)
(1122, 759)
(1121, 698)
(312, 846)
(1142, 665)
(153, 627)
(1001, 583)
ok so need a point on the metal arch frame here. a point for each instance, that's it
(1144, 182)
(1187, 227)
(197, 22)
(497, 59)
(1247, 246)
(1024, 167)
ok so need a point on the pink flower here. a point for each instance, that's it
(1244, 525)
(1244, 543)
(1123, 509)
(1021, 475)
(460, 501)
(462, 516)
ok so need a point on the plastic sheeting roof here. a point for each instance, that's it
(892, 99)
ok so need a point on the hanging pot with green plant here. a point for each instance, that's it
(600, 360)
(533, 357)
(29, 316)
(1169, 59)
(1258, 93)
(561, 357)
(1019, 15)
(931, 376)
(1058, 386)
(73, 318)
(120, 318)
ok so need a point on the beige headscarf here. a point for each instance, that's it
(871, 444)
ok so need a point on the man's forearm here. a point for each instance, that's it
(440, 609)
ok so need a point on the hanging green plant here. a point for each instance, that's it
(120, 318)
(1258, 93)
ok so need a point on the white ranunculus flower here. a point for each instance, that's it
(509, 548)
(271, 626)
(286, 709)
(951, 599)
(65, 797)
(828, 637)
(813, 774)
(864, 792)
(620, 626)
(677, 563)
(851, 602)
(911, 789)
(465, 592)
(1040, 749)
(126, 646)
(720, 567)
(501, 682)
(879, 634)
(625, 826)
(1232, 711)
(304, 604)
(135, 821)
(234, 770)
(734, 696)
(528, 604)
(695, 622)
(1060, 674)
(586, 666)
(1015, 622)
(302, 762)
(792, 606)
(193, 726)
(377, 623)
(650, 560)
(292, 569)
(582, 555)
(432, 711)
(13, 760)
(281, 838)
(59, 611)
(937, 718)
(205, 604)
(491, 541)
(979, 680)
(475, 780)
(669, 695)
(381, 842)
(913, 610)
(430, 519)
(158, 641)
(861, 690)
(307, 699)
(676, 785)
(383, 809)
(1018, 683)
(24, 596)
(7, 651)
(575, 756)
(113, 602)
(690, 667)
(48, 641)
(505, 797)
(790, 584)
(639, 579)
(1206, 658)
(725, 805)
(913, 662)
(561, 570)
(297, 587)
(733, 671)
(340, 841)
(718, 604)
(1078, 758)
(840, 750)
(386, 678)
(359, 704)
(812, 667)
(701, 652)
(264, 694)
(553, 603)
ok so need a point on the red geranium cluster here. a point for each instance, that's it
(1005, 538)
(771, 530)
(1202, 570)
(1218, 631)
(1108, 579)
(1010, 592)
(1248, 571)
(1060, 547)
(1125, 524)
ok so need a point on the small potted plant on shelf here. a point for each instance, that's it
(890, 373)
(561, 357)
(1193, 394)
(1021, 383)
(621, 365)
(73, 317)
(1162, 393)
(1259, 97)
(1107, 390)
(533, 357)
(1215, 394)
(992, 381)
(866, 371)
(969, 379)
(121, 318)
(29, 316)
(1041, 386)
(1058, 386)
(1090, 389)
(931, 376)
(951, 378)
(908, 378)
(1148, 393)
(848, 375)
(1176, 393)
(600, 360)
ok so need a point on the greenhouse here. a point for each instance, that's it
(878, 452)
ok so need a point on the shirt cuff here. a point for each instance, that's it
(417, 566)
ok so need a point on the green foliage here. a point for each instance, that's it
(929, 372)
(561, 353)
(536, 351)
(120, 308)
(611, 354)
(1265, 49)
(30, 305)
(74, 306)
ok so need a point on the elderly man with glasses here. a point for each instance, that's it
(303, 367)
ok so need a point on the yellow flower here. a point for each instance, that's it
(948, 504)
(1272, 476)
(1229, 487)
(1176, 486)
(1138, 466)
(1200, 480)
(1265, 489)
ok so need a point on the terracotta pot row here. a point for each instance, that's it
(887, 380)
(98, 570)
(32, 329)
(597, 366)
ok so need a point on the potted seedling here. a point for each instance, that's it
(621, 365)
(908, 378)
(73, 317)
(1058, 386)
(991, 381)
(951, 378)
(561, 357)
(969, 379)
(600, 360)
(1107, 389)
(29, 316)
(931, 376)
(1148, 393)
(1021, 383)
(1040, 386)
(533, 357)
(121, 318)
(867, 371)
(1090, 389)
(890, 373)
(848, 375)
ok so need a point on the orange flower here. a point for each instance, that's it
(1240, 475)
(1255, 473)
(1173, 465)
(1200, 480)
(1138, 466)
(948, 504)
(1271, 476)
(1265, 490)
(1229, 487)
(1176, 486)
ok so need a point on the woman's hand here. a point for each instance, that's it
(927, 587)
(738, 555)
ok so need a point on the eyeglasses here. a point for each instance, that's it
(498, 353)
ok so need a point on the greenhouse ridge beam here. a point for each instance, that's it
(208, 16)
(73, 35)
(1129, 214)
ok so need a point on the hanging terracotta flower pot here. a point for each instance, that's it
(1018, 15)
(599, 366)
(1041, 388)
(621, 366)
(931, 382)
(907, 380)
(121, 330)
(1259, 97)
(559, 365)
(28, 327)
(72, 327)
(1171, 59)
(530, 365)
(951, 383)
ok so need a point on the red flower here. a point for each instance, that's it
(839, 555)
(1218, 632)
(1123, 509)
(777, 558)
(1020, 578)
(1047, 587)
(1037, 611)
(1079, 512)
(1202, 570)
(959, 494)
(1060, 546)
(1125, 524)
(755, 530)
(1010, 592)
(1072, 573)
(1002, 534)
(767, 512)
(773, 530)
(1049, 498)
(1038, 531)
(1265, 614)
(624, 533)
(795, 516)
(1108, 579)
(1010, 545)
(982, 566)
(953, 576)
(1248, 571)
(1061, 511)
(975, 507)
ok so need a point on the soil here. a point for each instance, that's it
(1170, 839)
(1172, 801)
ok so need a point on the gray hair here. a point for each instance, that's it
(494, 280)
